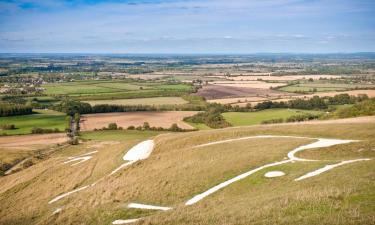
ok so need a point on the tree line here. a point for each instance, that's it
(9, 109)
(315, 102)
(70, 107)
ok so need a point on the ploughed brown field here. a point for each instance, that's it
(126, 119)
(218, 91)
(27, 141)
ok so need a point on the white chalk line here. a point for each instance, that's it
(67, 194)
(58, 210)
(152, 207)
(121, 167)
(327, 168)
(214, 189)
(321, 142)
(81, 158)
(138, 152)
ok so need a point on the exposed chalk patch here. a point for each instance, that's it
(140, 151)
(143, 206)
(125, 221)
(271, 174)
(328, 167)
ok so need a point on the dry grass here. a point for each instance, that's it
(176, 171)
(282, 78)
(19, 147)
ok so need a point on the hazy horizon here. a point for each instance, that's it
(187, 26)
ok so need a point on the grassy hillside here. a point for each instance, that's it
(252, 118)
(176, 171)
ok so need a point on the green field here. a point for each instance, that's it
(252, 118)
(42, 119)
(324, 86)
(200, 126)
(142, 101)
(115, 88)
(117, 135)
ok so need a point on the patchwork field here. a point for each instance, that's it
(104, 89)
(248, 84)
(142, 101)
(207, 177)
(157, 119)
(282, 78)
(251, 118)
(320, 86)
(218, 92)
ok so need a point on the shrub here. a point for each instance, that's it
(38, 130)
(74, 141)
(8, 127)
(273, 121)
(112, 126)
(131, 128)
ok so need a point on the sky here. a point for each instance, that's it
(187, 26)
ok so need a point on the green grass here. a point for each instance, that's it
(252, 118)
(111, 89)
(200, 126)
(323, 86)
(142, 101)
(118, 135)
(42, 119)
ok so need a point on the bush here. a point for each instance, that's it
(38, 130)
(302, 117)
(9, 109)
(131, 128)
(273, 121)
(112, 126)
(364, 108)
(174, 127)
(8, 127)
(146, 126)
(74, 141)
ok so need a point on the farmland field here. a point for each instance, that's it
(252, 118)
(122, 88)
(19, 147)
(218, 92)
(142, 101)
(320, 86)
(157, 119)
(42, 119)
